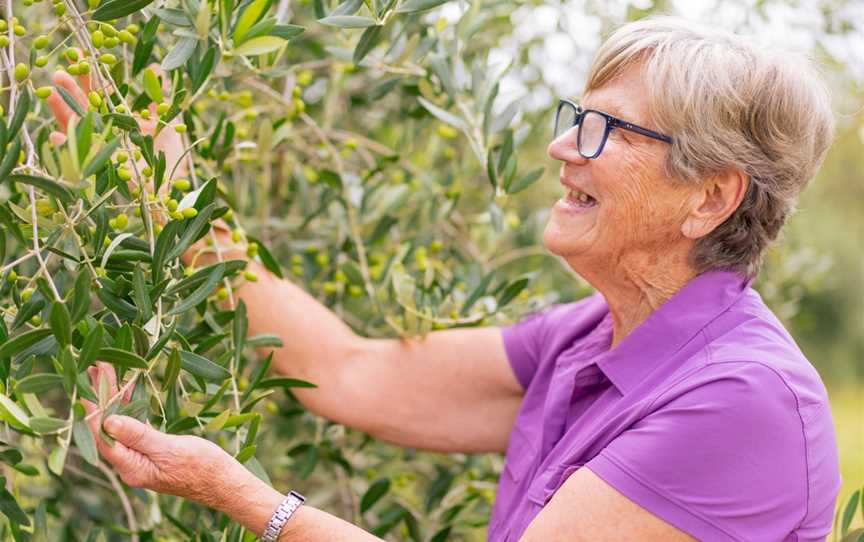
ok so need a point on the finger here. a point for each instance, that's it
(108, 370)
(116, 453)
(63, 79)
(62, 112)
(85, 82)
(57, 138)
(135, 435)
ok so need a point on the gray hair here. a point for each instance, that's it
(728, 103)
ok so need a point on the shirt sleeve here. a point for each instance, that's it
(522, 342)
(722, 458)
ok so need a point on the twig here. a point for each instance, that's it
(124, 499)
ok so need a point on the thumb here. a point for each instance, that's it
(133, 434)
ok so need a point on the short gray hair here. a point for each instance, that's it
(728, 103)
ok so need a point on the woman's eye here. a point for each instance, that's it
(619, 134)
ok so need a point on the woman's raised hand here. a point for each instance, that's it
(168, 140)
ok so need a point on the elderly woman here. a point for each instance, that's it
(670, 405)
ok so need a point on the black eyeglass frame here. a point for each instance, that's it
(612, 122)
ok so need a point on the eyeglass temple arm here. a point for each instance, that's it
(639, 130)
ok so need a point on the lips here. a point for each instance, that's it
(577, 194)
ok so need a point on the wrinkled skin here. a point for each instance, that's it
(633, 246)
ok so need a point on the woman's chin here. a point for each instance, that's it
(562, 242)
(565, 237)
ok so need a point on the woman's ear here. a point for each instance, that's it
(714, 202)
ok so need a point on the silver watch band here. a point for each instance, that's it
(280, 517)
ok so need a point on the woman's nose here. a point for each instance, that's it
(564, 147)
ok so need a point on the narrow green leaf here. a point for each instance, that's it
(442, 115)
(286, 31)
(347, 7)
(122, 358)
(135, 409)
(267, 258)
(21, 110)
(203, 367)
(179, 54)
(198, 277)
(201, 293)
(525, 181)
(61, 323)
(85, 442)
(38, 383)
(28, 310)
(80, 297)
(47, 185)
(260, 46)
(477, 293)
(240, 326)
(114, 9)
(246, 453)
(10, 159)
(70, 370)
(191, 233)
(368, 40)
(9, 506)
(122, 121)
(506, 151)
(163, 245)
(849, 512)
(152, 85)
(512, 291)
(101, 158)
(22, 341)
(71, 101)
(12, 413)
(142, 298)
(251, 15)
(205, 68)
(412, 6)
(45, 425)
(120, 307)
(172, 371)
(377, 490)
(286, 383)
(490, 170)
(347, 21)
(90, 348)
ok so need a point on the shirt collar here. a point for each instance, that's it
(671, 326)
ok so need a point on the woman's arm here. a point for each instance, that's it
(453, 391)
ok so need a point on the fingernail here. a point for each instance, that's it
(113, 424)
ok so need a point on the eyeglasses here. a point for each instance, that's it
(594, 127)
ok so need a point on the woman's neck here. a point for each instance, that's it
(633, 292)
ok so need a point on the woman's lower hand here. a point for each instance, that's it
(182, 465)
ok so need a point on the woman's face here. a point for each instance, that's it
(636, 212)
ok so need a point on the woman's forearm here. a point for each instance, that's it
(316, 342)
(251, 503)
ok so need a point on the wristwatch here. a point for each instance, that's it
(280, 517)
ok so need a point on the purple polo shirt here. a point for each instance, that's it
(707, 415)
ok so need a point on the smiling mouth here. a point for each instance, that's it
(577, 197)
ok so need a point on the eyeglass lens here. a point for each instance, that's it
(590, 132)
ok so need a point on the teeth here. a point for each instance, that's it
(578, 195)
